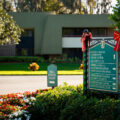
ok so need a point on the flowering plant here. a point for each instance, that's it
(33, 67)
(81, 66)
(15, 105)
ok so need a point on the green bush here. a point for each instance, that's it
(38, 59)
(69, 103)
(91, 109)
(65, 59)
(49, 105)
(21, 59)
(80, 108)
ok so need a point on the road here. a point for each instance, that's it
(15, 84)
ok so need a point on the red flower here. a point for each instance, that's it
(117, 39)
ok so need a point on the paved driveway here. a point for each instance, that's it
(14, 84)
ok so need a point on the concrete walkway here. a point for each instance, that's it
(14, 84)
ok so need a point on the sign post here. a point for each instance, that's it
(52, 76)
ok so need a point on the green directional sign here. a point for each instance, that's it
(103, 68)
(52, 75)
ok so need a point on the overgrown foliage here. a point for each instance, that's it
(9, 31)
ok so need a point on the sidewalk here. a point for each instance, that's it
(14, 84)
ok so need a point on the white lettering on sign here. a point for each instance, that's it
(114, 68)
(52, 78)
(52, 82)
(114, 56)
(51, 75)
(51, 72)
(114, 78)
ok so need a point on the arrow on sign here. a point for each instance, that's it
(114, 68)
(114, 56)
(114, 83)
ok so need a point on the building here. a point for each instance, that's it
(47, 34)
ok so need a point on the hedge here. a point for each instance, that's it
(69, 103)
(38, 59)
(21, 59)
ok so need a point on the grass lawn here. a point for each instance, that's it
(22, 69)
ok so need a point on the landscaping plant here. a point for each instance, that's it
(34, 67)
(15, 106)
(61, 103)
(81, 66)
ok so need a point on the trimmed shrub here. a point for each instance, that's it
(91, 109)
(69, 103)
(38, 59)
(80, 108)
(21, 59)
(48, 105)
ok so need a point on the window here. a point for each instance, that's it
(96, 32)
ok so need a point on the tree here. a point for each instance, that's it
(7, 5)
(53, 5)
(103, 7)
(34, 5)
(59, 6)
(9, 31)
(116, 15)
(74, 6)
(28, 5)
(98, 6)
(91, 6)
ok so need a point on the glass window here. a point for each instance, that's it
(96, 32)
